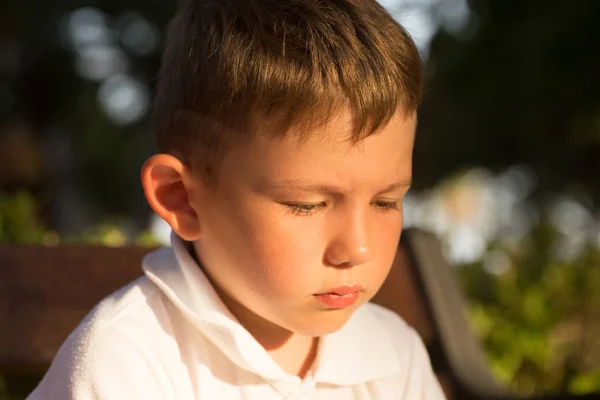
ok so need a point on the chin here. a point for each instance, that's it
(330, 321)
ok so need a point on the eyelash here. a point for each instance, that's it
(386, 205)
(304, 209)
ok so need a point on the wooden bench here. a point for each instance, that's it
(46, 291)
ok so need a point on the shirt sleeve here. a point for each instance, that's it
(423, 383)
(99, 364)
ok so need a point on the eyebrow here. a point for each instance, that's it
(322, 187)
(397, 185)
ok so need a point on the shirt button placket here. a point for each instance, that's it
(306, 390)
(291, 388)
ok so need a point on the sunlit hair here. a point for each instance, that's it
(231, 65)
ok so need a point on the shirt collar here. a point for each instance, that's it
(352, 355)
(178, 275)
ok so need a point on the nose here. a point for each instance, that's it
(350, 246)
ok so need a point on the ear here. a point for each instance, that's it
(168, 188)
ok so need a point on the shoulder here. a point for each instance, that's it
(416, 378)
(138, 316)
(387, 326)
(385, 316)
(131, 312)
(96, 359)
(387, 322)
(135, 300)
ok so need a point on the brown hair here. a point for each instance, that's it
(230, 65)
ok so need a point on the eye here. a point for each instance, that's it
(384, 206)
(304, 209)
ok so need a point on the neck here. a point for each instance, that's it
(293, 352)
(297, 356)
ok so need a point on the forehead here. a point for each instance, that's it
(327, 154)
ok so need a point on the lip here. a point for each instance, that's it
(343, 290)
(340, 297)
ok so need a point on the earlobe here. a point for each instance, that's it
(164, 182)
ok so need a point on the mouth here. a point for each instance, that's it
(340, 297)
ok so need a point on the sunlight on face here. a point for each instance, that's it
(288, 221)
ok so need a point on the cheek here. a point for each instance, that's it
(384, 245)
(269, 253)
(390, 236)
(286, 258)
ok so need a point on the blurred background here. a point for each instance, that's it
(507, 158)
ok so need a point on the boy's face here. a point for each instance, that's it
(289, 223)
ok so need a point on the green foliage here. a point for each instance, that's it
(3, 394)
(538, 319)
(20, 223)
(18, 219)
(112, 233)
(504, 92)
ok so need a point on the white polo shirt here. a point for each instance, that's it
(167, 335)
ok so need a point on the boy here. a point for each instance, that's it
(286, 132)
